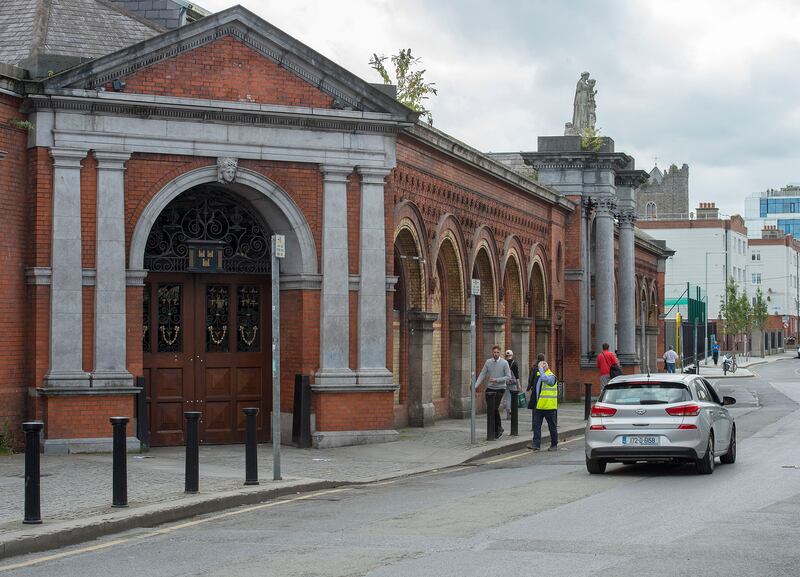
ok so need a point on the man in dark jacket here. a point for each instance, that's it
(532, 378)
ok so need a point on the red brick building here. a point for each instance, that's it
(140, 190)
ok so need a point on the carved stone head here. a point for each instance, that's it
(226, 169)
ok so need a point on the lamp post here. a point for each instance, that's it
(705, 330)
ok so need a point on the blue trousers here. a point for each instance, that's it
(670, 367)
(550, 417)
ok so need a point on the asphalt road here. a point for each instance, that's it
(519, 514)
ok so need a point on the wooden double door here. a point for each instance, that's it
(206, 341)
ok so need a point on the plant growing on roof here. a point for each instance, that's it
(412, 90)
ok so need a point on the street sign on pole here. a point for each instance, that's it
(476, 291)
(278, 251)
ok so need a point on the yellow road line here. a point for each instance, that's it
(165, 530)
(527, 452)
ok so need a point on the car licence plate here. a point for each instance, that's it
(643, 440)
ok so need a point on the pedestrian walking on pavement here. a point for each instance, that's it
(497, 373)
(545, 393)
(670, 358)
(608, 364)
(715, 352)
(512, 386)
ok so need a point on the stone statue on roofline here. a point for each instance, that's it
(584, 108)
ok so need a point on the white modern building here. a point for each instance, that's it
(775, 268)
(708, 250)
(777, 208)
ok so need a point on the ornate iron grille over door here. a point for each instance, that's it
(207, 216)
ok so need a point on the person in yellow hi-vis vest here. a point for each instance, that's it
(546, 394)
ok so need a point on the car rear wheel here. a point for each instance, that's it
(705, 465)
(730, 457)
(595, 466)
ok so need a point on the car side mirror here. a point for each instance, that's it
(728, 401)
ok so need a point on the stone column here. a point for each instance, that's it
(604, 272)
(520, 343)
(421, 412)
(372, 285)
(460, 366)
(334, 308)
(493, 329)
(110, 363)
(66, 290)
(586, 279)
(627, 288)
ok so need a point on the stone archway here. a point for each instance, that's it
(216, 365)
(517, 324)
(489, 326)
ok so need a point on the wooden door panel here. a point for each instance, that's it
(248, 382)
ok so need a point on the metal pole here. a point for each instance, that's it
(587, 400)
(472, 370)
(192, 482)
(643, 338)
(250, 447)
(120, 463)
(276, 364)
(696, 362)
(33, 509)
(515, 413)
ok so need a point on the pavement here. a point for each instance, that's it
(76, 489)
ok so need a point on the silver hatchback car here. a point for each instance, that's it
(660, 417)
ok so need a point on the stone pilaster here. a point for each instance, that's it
(372, 288)
(587, 212)
(493, 332)
(520, 343)
(334, 310)
(421, 412)
(604, 272)
(627, 288)
(66, 291)
(110, 363)
(460, 366)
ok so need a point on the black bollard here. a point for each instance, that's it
(33, 509)
(490, 410)
(192, 452)
(250, 448)
(587, 400)
(514, 414)
(120, 466)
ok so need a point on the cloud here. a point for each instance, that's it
(712, 84)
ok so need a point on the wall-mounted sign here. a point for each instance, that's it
(476, 286)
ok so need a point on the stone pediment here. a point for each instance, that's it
(339, 88)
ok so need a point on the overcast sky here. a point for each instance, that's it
(710, 83)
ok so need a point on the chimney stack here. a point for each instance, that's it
(707, 211)
(771, 231)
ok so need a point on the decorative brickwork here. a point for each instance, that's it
(226, 70)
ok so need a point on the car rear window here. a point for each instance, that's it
(652, 393)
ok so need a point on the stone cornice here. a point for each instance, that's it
(632, 178)
(617, 161)
(216, 111)
(452, 147)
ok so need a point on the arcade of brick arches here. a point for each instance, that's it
(144, 248)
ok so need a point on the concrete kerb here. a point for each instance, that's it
(65, 533)
(62, 534)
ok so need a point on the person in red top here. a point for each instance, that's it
(605, 361)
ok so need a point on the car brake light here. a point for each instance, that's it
(686, 427)
(603, 411)
(690, 410)
(597, 428)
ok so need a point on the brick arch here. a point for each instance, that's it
(408, 248)
(484, 267)
(515, 300)
(539, 292)
(451, 262)
(449, 230)
(652, 317)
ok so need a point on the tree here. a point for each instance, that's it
(759, 314)
(734, 307)
(412, 90)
